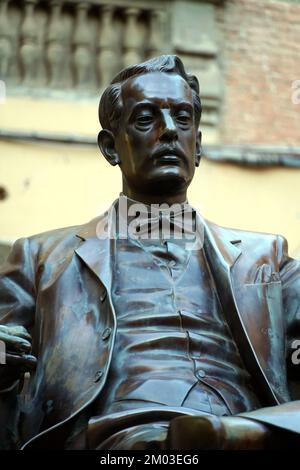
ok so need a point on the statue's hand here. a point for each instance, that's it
(212, 432)
(17, 358)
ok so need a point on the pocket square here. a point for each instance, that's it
(265, 274)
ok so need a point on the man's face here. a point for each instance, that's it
(157, 139)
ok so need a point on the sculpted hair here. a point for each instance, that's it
(111, 106)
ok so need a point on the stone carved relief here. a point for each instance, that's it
(56, 45)
(73, 44)
(194, 38)
(82, 60)
(5, 40)
(29, 45)
(75, 47)
(107, 61)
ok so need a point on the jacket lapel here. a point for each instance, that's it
(249, 311)
(98, 247)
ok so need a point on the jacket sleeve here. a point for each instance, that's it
(290, 278)
(17, 286)
(17, 307)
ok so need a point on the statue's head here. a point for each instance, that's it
(150, 114)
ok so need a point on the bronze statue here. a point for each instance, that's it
(184, 340)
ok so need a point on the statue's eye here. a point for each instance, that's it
(144, 120)
(183, 118)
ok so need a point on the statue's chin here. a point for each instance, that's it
(167, 184)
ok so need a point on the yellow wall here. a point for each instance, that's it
(51, 185)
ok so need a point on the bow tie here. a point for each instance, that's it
(166, 224)
(141, 221)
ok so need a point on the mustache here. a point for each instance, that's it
(168, 150)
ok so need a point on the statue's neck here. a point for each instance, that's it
(146, 198)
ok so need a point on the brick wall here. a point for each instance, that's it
(260, 44)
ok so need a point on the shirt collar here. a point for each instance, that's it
(131, 211)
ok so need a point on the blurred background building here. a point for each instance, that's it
(56, 57)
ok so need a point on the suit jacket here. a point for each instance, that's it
(58, 286)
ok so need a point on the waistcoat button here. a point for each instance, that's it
(201, 374)
(103, 296)
(98, 376)
(48, 406)
(106, 333)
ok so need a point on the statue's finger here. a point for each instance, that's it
(15, 330)
(24, 361)
(15, 343)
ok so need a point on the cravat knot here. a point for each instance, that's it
(167, 224)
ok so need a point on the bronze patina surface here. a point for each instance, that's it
(150, 342)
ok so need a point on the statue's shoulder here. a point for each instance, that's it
(63, 239)
(254, 245)
(240, 235)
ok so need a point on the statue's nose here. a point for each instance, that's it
(168, 128)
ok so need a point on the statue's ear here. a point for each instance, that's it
(106, 142)
(198, 149)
